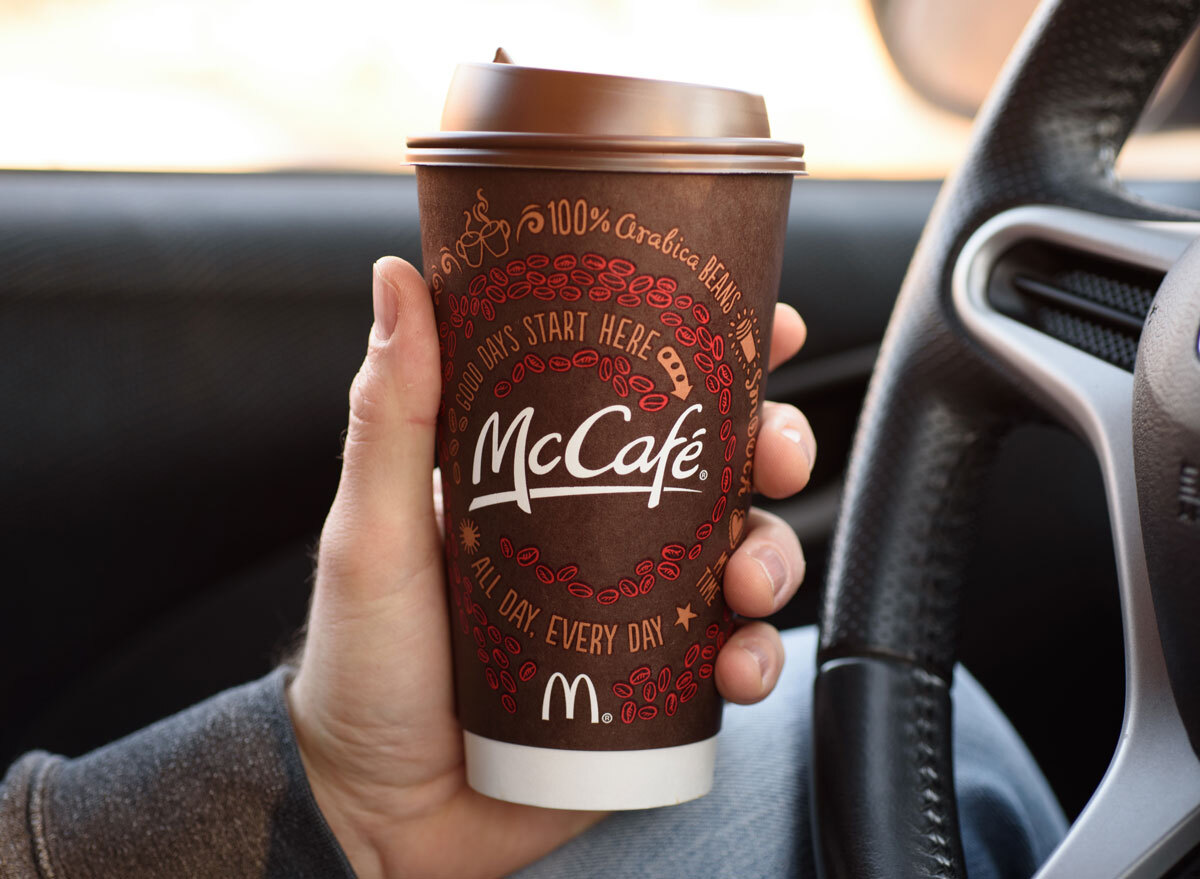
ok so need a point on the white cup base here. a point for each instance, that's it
(601, 780)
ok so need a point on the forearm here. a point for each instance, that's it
(218, 790)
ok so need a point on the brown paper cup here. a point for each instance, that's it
(604, 341)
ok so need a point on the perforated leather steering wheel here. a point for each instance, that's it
(976, 345)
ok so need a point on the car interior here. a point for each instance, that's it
(177, 349)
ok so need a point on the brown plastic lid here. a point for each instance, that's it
(529, 117)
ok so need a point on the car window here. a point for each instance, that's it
(251, 85)
(263, 84)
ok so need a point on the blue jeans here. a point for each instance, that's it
(755, 823)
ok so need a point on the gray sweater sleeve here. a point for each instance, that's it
(217, 790)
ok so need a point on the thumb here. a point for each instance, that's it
(382, 521)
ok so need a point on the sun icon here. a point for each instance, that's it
(468, 533)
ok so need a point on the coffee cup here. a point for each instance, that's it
(604, 254)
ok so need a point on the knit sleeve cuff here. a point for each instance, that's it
(217, 790)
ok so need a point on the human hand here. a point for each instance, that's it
(373, 701)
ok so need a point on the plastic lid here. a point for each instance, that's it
(506, 115)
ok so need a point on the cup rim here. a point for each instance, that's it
(516, 149)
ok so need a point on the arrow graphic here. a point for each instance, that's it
(672, 363)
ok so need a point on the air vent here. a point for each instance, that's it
(1094, 304)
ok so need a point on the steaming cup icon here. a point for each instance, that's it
(470, 248)
(491, 236)
(494, 236)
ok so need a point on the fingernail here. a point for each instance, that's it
(773, 565)
(383, 297)
(760, 656)
(805, 441)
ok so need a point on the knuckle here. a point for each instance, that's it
(788, 542)
(367, 404)
(778, 411)
(339, 550)
(764, 520)
(352, 551)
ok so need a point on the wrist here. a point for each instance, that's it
(336, 807)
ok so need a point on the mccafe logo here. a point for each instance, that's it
(549, 455)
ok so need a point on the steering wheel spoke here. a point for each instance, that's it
(1146, 812)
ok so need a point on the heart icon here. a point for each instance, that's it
(737, 521)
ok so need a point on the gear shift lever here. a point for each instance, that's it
(1166, 453)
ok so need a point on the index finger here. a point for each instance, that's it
(788, 333)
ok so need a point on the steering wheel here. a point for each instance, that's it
(1026, 299)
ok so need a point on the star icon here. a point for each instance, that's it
(685, 616)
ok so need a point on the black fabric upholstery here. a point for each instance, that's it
(175, 354)
(1049, 134)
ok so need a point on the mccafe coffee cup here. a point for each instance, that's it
(604, 254)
